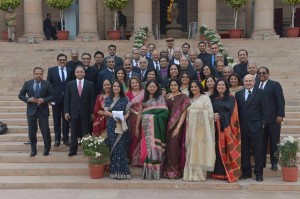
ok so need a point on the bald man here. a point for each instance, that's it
(252, 117)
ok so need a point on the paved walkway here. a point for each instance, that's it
(142, 193)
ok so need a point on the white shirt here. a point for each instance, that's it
(60, 74)
(176, 61)
(247, 93)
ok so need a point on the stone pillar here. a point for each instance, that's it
(143, 16)
(33, 20)
(87, 21)
(101, 20)
(264, 20)
(207, 13)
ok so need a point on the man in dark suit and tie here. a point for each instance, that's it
(252, 69)
(79, 106)
(275, 106)
(108, 73)
(252, 117)
(37, 93)
(59, 76)
(128, 68)
(112, 53)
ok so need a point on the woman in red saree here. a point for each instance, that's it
(228, 137)
(175, 151)
(99, 123)
(135, 95)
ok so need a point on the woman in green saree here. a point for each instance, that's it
(154, 119)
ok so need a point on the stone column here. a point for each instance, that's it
(207, 13)
(33, 20)
(264, 20)
(143, 16)
(87, 20)
(101, 20)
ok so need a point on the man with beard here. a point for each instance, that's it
(112, 53)
(99, 65)
(73, 62)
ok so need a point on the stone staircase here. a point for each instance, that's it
(18, 170)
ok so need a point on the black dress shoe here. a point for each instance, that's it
(33, 153)
(27, 142)
(56, 143)
(243, 177)
(45, 153)
(274, 167)
(72, 154)
(66, 142)
(259, 178)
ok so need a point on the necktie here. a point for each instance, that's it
(156, 66)
(249, 95)
(63, 79)
(261, 86)
(128, 75)
(198, 74)
(37, 90)
(137, 64)
(79, 88)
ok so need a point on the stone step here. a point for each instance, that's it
(21, 147)
(43, 169)
(21, 121)
(24, 129)
(84, 182)
(21, 137)
(73, 169)
(54, 157)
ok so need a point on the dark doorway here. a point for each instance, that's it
(278, 26)
(297, 18)
(182, 18)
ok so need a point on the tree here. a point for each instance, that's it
(61, 5)
(236, 5)
(5, 4)
(115, 5)
(292, 3)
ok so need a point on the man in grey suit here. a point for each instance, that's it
(79, 106)
(37, 93)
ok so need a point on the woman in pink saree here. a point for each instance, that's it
(135, 95)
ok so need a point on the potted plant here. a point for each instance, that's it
(61, 5)
(140, 37)
(4, 5)
(98, 153)
(292, 31)
(115, 5)
(236, 5)
(287, 156)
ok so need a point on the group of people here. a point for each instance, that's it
(189, 115)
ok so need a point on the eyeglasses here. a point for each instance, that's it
(87, 58)
(262, 73)
(111, 61)
(62, 60)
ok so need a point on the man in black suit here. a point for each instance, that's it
(276, 103)
(128, 68)
(203, 55)
(185, 67)
(91, 74)
(176, 56)
(108, 73)
(252, 117)
(144, 68)
(154, 63)
(59, 76)
(112, 53)
(99, 64)
(73, 62)
(37, 93)
(79, 106)
(143, 53)
(242, 68)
